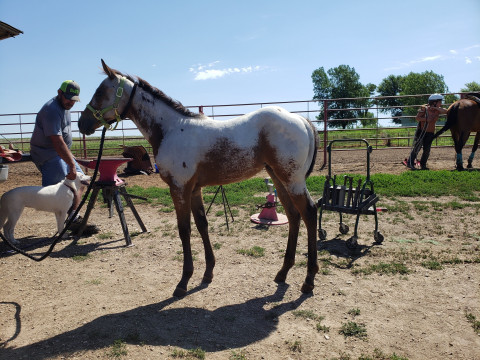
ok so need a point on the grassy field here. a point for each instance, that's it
(432, 184)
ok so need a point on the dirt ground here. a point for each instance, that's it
(94, 298)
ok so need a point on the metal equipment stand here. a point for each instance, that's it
(360, 200)
(111, 193)
(112, 187)
(225, 204)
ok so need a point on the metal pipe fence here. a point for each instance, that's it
(377, 128)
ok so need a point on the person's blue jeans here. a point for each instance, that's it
(54, 170)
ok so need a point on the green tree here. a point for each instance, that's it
(340, 83)
(391, 86)
(426, 83)
(471, 87)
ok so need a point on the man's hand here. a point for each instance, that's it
(72, 175)
(64, 152)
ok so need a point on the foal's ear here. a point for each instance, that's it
(107, 70)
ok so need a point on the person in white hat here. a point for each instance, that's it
(427, 116)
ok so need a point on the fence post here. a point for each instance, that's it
(84, 146)
(325, 137)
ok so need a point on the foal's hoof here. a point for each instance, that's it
(307, 288)
(280, 278)
(207, 279)
(179, 292)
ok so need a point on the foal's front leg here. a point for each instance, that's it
(182, 208)
(201, 222)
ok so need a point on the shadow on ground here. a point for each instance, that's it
(231, 326)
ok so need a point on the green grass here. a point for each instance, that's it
(432, 265)
(307, 314)
(118, 349)
(475, 323)
(248, 193)
(255, 251)
(81, 257)
(353, 329)
(294, 346)
(197, 353)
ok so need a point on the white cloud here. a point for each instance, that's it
(208, 72)
(472, 47)
(456, 54)
(427, 58)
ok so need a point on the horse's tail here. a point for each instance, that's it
(315, 144)
(452, 117)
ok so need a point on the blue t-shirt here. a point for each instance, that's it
(52, 119)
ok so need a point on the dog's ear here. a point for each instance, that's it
(84, 179)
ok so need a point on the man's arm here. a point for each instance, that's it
(421, 114)
(64, 152)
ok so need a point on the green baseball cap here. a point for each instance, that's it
(71, 90)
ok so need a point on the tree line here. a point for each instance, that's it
(344, 82)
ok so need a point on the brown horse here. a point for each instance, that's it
(463, 118)
(192, 151)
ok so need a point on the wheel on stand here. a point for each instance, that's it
(352, 242)
(377, 235)
(343, 228)
(322, 234)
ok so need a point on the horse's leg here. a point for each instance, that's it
(181, 199)
(474, 148)
(201, 222)
(308, 211)
(457, 141)
(293, 227)
(462, 140)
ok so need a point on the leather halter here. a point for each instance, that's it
(98, 114)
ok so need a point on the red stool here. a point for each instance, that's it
(112, 187)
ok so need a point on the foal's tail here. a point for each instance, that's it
(315, 144)
(452, 118)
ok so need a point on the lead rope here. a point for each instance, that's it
(69, 222)
(419, 141)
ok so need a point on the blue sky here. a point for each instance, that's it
(221, 52)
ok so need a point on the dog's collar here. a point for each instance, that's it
(73, 202)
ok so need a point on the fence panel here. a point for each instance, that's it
(376, 126)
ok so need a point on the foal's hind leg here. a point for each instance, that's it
(293, 228)
(474, 148)
(297, 206)
(308, 211)
(201, 222)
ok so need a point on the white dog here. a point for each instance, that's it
(56, 198)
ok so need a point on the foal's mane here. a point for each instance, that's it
(158, 94)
